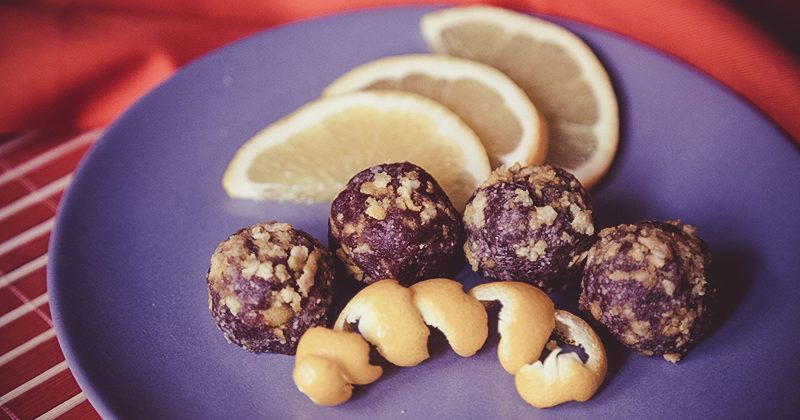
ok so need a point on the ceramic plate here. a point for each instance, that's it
(136, 229)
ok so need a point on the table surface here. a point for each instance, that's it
(35, 381)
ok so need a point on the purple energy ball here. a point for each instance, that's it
(269, 283)
(394, 221)
(531, 224)
(649, 284)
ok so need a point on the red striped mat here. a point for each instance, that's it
(35, 381)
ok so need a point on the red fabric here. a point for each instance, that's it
(80, 63)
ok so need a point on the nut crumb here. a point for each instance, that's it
(474, 213)
(281, 273)
(427, 214)
(582, 220)
(297, 258)
(522, 197)
(532, 250)
(542, 216)
(234, 304)
(375, 210)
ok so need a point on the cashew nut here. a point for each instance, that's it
(527, 318)
(564, 377)
(444, 306)
(394, 319)
(328, 362)
(387, 317)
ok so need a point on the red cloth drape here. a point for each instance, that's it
(80, 63)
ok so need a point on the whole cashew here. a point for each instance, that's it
(563, 376)
(527, 318)
(387, 317)
(444, 306)
(328, 362)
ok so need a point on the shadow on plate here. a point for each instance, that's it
(612, 209)
(732, 271)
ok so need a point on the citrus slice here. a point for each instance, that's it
(309, 155)
(557, 70)
(492, 105)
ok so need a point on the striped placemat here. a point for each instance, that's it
(35, 381)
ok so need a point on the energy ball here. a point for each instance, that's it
(269, 283)
(648, 283)
(530, 224)
(394, 221)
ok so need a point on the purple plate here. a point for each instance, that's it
(135, 232)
